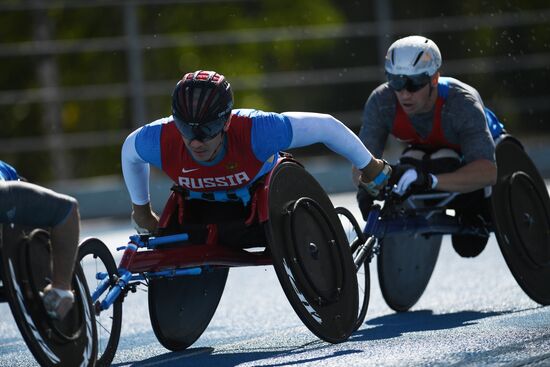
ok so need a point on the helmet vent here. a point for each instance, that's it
(202, 97)
(418, 58)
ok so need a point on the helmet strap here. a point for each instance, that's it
(227, 123)
(436, 77)
(433, 92)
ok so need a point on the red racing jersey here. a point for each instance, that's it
(237, 169)
(404, 130)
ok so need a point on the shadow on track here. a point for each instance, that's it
(209, 357)
(384, 327)
(397, 324)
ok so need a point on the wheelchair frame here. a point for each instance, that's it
(137, 266)
(148, 257)
(433, 220)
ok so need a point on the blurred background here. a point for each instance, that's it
(78, 76)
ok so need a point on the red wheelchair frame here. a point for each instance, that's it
(174, 258)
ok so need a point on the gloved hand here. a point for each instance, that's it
(414, 181)
(364, 201)
(57, 302)
(373, 185)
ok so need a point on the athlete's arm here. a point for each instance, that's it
(470, 177)
(135, 171)
(136, 176)
(467, 115)
(310, 128)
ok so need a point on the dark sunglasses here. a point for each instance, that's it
(410, 83)
(201, 132)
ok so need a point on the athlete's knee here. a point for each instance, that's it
(71, 212)
(412, 156)
(445, 153)
(444, 160)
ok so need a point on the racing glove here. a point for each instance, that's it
(414, 181)
(57, 302)
(364, 201)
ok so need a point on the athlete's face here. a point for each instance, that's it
(204, 151)
(420, 101)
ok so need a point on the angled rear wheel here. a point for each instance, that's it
(97, 261)
(521, 216)
(357, 241)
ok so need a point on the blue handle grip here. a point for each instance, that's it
(156, 241)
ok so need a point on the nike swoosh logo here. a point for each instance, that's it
(183, 170)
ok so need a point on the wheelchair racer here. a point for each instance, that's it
(27, 204)
(448, 131)
(215, 153)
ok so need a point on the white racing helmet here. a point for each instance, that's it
(413, 55)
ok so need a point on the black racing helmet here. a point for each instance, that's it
(201, 104)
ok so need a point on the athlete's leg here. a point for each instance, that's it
(32, 205)
(64, 237)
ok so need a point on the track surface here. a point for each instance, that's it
(472, 313)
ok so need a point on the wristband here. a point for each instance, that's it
(373, 187)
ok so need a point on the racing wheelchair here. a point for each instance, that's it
(25, 270)
(406, 233)
(289, 222)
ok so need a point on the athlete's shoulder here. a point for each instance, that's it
(451, 88)
(157, 124)
(256, 118)
(253, 113)
(153, 129)
(147, 141)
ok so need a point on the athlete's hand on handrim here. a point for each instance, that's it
(374, 177)
(144, 218)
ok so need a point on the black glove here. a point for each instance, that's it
(397, 171)
(413, 180)
(364, 200)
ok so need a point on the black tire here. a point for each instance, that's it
(469, 245)
(521, 216)
(405, 265)
(108, 321)
(26, 270)
(180, 308)
(356, 239)
(311, 254)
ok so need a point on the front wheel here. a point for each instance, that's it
(95, 258)
(357, 240)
